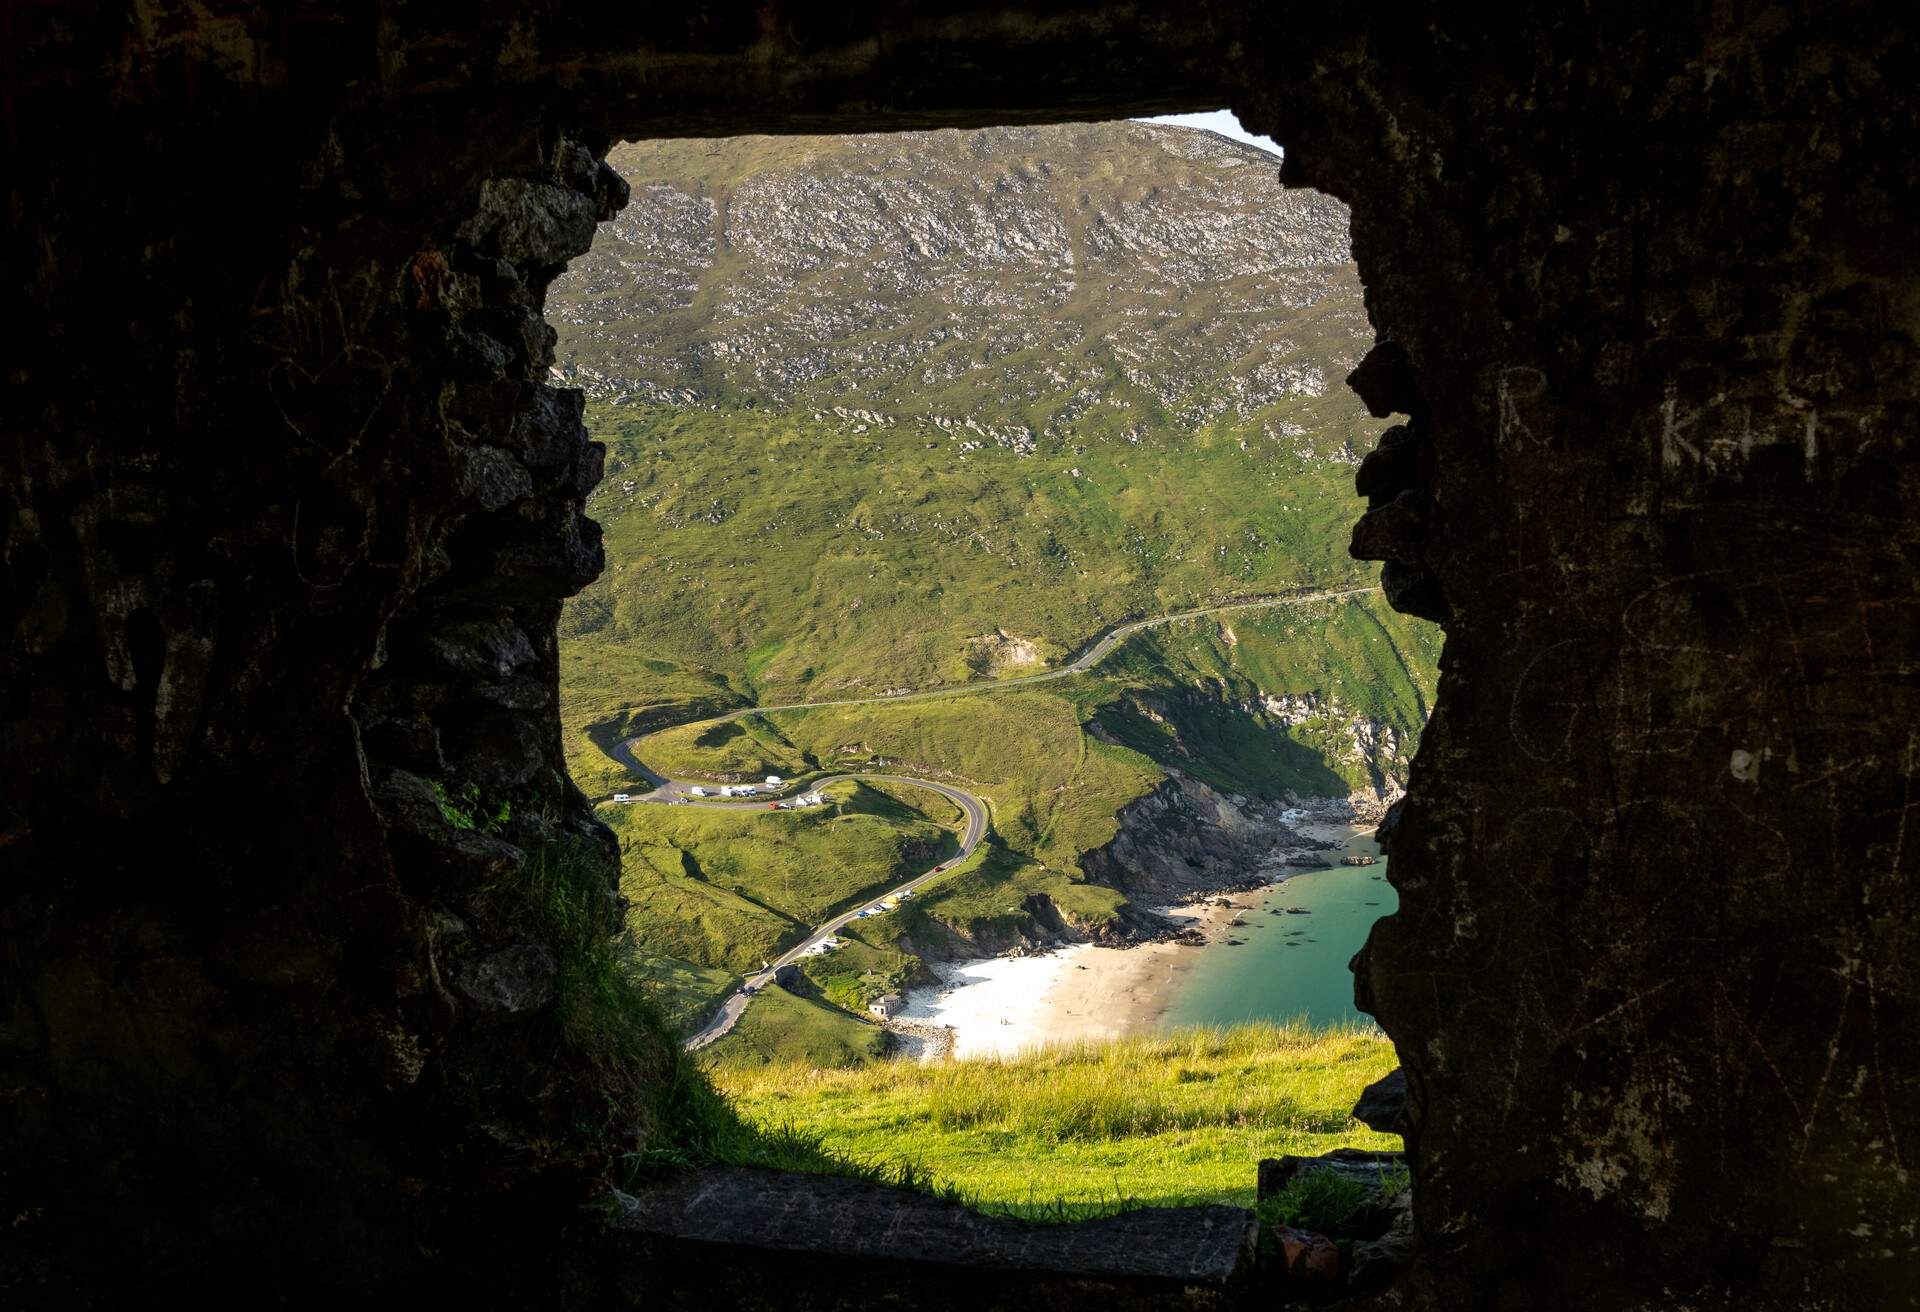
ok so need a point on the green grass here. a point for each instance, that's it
(730, 751)
(686, 992)
(1056, 763)
(715, 894)
(611, 692)
(1148, 1121)
(788, 559)
(1053, 790)
(1187, 696)
(762, 550)
(606, 1031)
(1321, 1200)
(783, 1030)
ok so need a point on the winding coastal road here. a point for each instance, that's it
(679, 792)
(736, 1003)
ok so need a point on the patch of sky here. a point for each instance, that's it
(1223, 122)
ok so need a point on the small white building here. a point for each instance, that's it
(885, 1005)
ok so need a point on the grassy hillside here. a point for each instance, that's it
(783, 1031)
(802, 560)
(935, 409)
(1155, 1121)
(732, 889)
(1058, 760)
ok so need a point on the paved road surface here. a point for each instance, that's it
(736, 1003)
(1087, 659)
(676, 792)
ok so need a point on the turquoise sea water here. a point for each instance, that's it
(1290, 965)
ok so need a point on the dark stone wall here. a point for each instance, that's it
(288, 517)
(288, 512)
(1649, 303)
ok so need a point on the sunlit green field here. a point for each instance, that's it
(1183, 1118)
(783, 1032)
(731, 889)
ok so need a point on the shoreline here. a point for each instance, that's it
(1080, 992)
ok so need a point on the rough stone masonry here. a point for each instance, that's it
(289, 512)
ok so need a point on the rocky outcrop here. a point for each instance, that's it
(1180, 841)
(1185, 838)
(1372, 748)
(998, 653)
(884, 272)
(1374, 1229)
(1038, 925)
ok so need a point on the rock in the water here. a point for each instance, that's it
(1383, 1104)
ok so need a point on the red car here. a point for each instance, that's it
(773, 806)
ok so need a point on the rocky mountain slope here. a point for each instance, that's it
(1034, 281)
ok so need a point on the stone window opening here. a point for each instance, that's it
(1149, 1248)
(289, 509)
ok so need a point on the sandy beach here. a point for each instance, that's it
(1003, 1004)
(1000, 1005)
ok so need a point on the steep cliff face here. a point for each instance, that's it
(1037, 925)
(1184, 838)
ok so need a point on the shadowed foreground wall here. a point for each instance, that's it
(289, 513)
